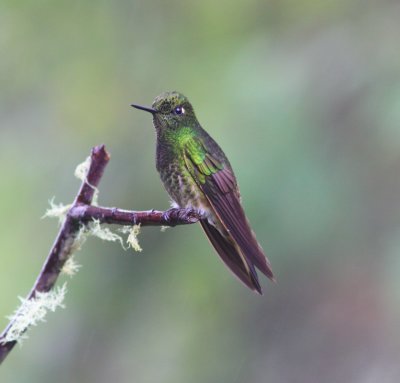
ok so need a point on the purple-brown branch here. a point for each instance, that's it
(81, 213)
(171, 217)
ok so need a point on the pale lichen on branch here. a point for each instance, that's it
(32, 311)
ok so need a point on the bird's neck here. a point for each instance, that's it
(176, 139)
(171, 145)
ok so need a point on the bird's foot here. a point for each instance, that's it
(174, 215)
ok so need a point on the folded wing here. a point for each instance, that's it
(215, 178)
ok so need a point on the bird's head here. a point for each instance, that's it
(170, 110)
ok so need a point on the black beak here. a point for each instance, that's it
(145, 108)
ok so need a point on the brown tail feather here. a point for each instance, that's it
(230, 255)
(234, 219)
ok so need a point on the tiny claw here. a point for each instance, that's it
(191, 215)
(168, 214)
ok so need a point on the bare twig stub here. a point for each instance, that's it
(81, 213)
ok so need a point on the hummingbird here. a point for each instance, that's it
(197, 175)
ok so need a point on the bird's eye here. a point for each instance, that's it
(179, 110)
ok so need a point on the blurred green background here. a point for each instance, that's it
(304, 97)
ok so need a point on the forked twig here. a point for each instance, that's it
(82, 212)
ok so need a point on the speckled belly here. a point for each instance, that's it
(183, 189)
